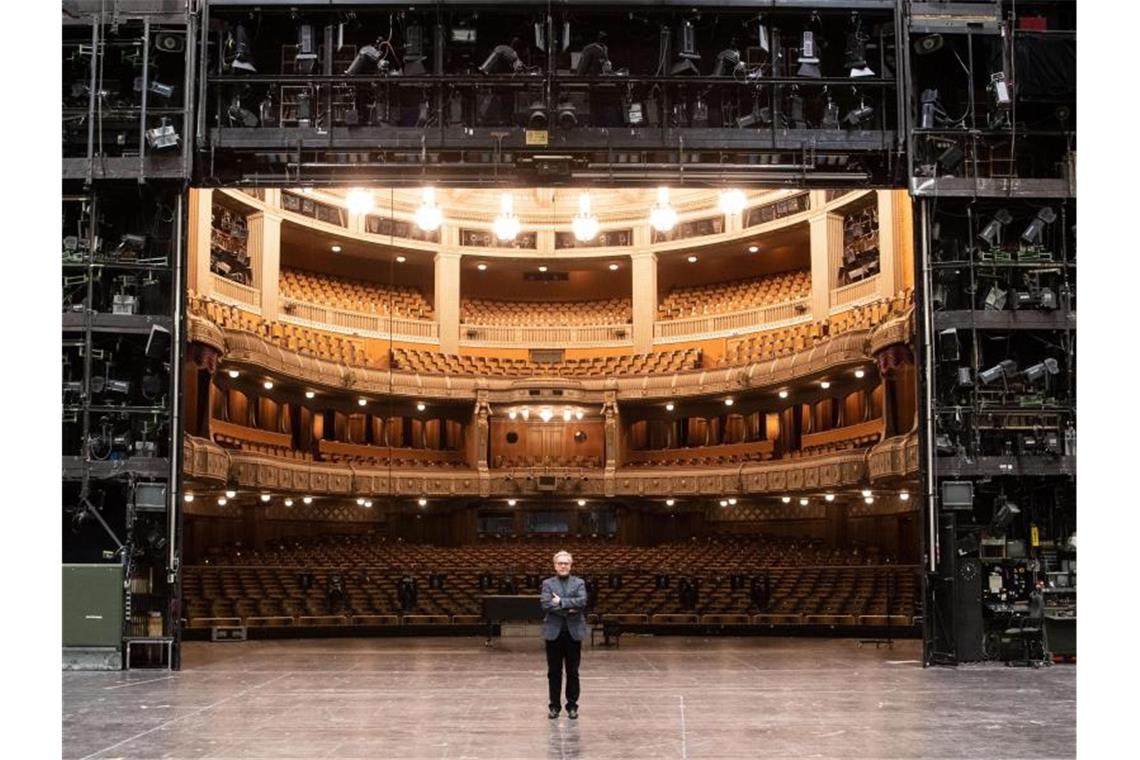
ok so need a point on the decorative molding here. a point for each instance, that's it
(709, 225)
(604, 239)
(882, 508)
(469, 238)
(764, 512)
(898, 329)
(203, 460)
(895, 457)
(201, 330)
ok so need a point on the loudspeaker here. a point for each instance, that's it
(968, 610)
(169, 43)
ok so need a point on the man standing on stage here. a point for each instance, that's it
(563, 628)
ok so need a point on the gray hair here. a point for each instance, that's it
(564, 553)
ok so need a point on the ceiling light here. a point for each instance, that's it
(526, 413)
(670, 502)
(728, 402)
(578, 414)
(904, 495)
(581, 502)
(804, 502)
(546, 414)
(859, 373)
(265, 498)
(231, 494)
(222, 501)
(368, 503)
(512, 502)
(824, 384)
(829, 497)
(692, 259)
(362, 401)
(481, 267)
(783, 394)
(786, 499)
(512, 414)
(669, 407)
(724, 502)
(420, 406)
(584, 224)
(422, 502)
(359, 201)
(428, 215)
(308, 499)
(732, 502)
(567, 415)
(662, 216)
(188, 497)
(360, 501)
(866, 492)
(234, 373)
(869, 499)
(336, 249)
(310, 394)
(506, 224)
(613, 267)
(288, 502)
(401, 259)
(542, 268)
(753, 248)
(267, 385)
(732, 201)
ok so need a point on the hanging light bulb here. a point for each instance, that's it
(428, 215)
(506, 224)
(732, 201)
(662, 216)
(359, 201)
(584, 224)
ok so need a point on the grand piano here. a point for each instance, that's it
(499, 608)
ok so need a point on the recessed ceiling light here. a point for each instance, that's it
(670, 502)
(542, 268)
(824, 384)
(692, 259)
(481, 267)
(804, 502)
(786, 499)
(234, 373)
(859, 373)
(267, 385)
(188, 497)
(904, 495)
(308, 499)
(783, 394)
(222, 501)
(613, 267)
(266, 497)
(421, 406)
(362, 401)
(512, 502)
(309, 394)
(423, 502)
(288, 502)
(753, 248)
(336, 249)
(728, 402)
(231, 494)
(401, 259)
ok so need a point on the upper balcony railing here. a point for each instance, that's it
(553, 336)
(856, 293)
(358, 323)
(720, 325)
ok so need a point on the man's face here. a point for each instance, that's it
(562, 566)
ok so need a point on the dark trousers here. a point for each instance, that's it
(563, 649)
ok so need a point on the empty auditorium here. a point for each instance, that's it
(568, 379)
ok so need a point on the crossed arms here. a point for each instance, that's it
(566, 605)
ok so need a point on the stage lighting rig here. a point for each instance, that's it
(595, 58)
(1035, 296)
(162, 136)
(808, 58)
(1000, 90)
(991, 234)
(728, 61)
(1034, 232)
(305, 59)
(1041, 371)
(1004, 370)
(687, 54)
(503, 58)
(859, 116)
(238, 43)
(855, 58)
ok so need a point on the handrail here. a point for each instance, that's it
(845, 433)
(553, 336)
(856, 293)
(768, 317)
(310, 314)
(225, 289)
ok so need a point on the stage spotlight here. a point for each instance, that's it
(758, 116)
(305, 61)
(728, 61)
(537, 118)
(995, 298)
(503, 58)
(1006, 369)
(155, 88)
(949, 160)
(1004, 514)
(365, 62)
(162, 136)
(687, 51)
(595, 58)
(830, 112)
(238, 116)
(566, 115)
(991, 234)
(808, 60)
(239, 41)
(928, 44)
(859, 115)
(1041, 370)
(1032, 234)
(999, 88)
(855, 60)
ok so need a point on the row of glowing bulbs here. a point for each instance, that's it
(546, 414)
(506, 226)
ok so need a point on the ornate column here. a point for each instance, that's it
(447, 300)
(198, 241)
(895, 249)
(610, 415)
(481, 442)
(644, 265)
(264, 247)
(826, 253)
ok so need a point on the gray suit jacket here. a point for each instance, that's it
(571, 607)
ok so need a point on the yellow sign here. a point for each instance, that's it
(1034, 539)
(537, 137)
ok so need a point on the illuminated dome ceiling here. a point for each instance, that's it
(536, 206)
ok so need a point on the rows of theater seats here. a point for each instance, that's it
(257, 447)
(808, 583)
(433, 363)
(380, 459)
(835, 447)
(684, 459)
(353, 295)
(507, 462)
(734, 296)
(328, 346)
(613, 311)
(773, 344)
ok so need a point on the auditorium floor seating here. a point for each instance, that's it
(736, 295)
(809, 584)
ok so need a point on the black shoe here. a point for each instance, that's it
(553, 713)
(572, 713)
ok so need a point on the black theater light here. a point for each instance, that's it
(1003, 370)
(305, 60)
(808, 58)
(991, 234)
(1032, 234)
(855, 58)
(538, 118)
(687, 54)
(502, 59)
(242, 51)
(1041, 370)
(566, 115)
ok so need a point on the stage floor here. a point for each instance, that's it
(653, 697)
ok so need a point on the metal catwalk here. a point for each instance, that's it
(652, 697)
